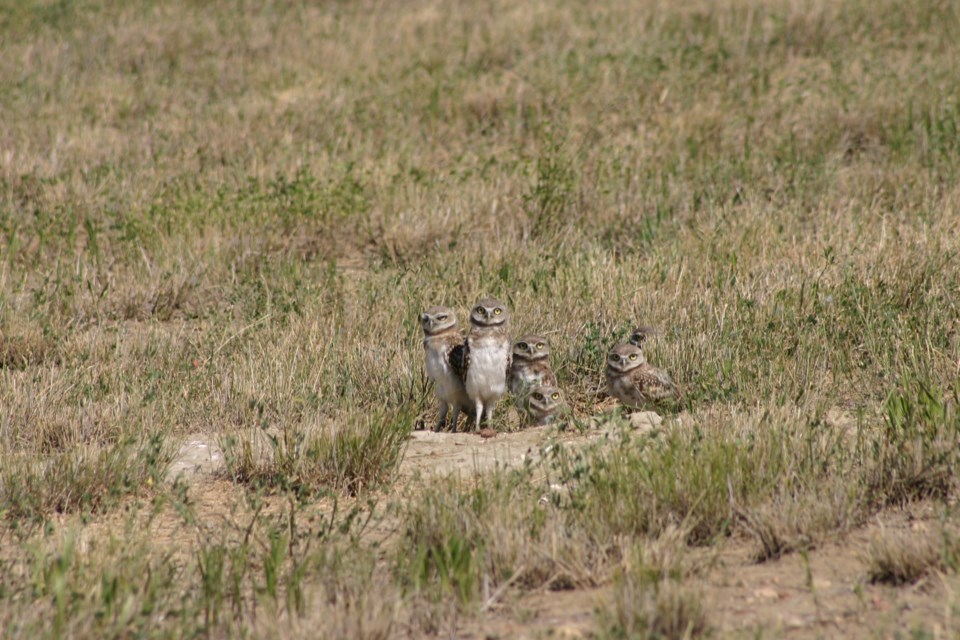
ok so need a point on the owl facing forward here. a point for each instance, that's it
(542, 403)
(483, 361)
(634, 381)
(530, 365)
(441, 335)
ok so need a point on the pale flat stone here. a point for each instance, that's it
(766, 593)
(645, 420)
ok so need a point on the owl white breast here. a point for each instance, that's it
(487, 374)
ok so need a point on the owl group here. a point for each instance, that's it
(471, 373)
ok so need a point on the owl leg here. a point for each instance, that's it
(488, 413)
(456, 417)
(479, 416)
(442, 420)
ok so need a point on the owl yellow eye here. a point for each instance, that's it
(497, 311)
(539, 345)
(555, 396)
(633, 356)
(522, 346)
(441, 318)
(478, 310)
(538, 396)
(614, 357)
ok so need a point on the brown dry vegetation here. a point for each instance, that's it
(220, 220)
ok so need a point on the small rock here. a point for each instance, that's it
(766, 593)
(487, 432)
(645, 420)
(794, 622)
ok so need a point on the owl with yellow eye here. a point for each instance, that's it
(530, 365)
(541, 404)
(634, 381)
(482, 362)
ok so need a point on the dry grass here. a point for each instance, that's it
(903, 558)
(357, 457)
(225, 218)
(650, 598)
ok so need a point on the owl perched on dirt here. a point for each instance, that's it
(482, 363)
(441, 336)
(530, 365)
(635, 382)
(541, 403)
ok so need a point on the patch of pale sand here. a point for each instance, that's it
(445, 453)
(435, 453)
(200, 454)
(540, 614)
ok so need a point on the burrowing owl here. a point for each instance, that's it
(531, 364)
(541, 403)
(484, 360)
(640, 334)
(635, 382)
(440, 336)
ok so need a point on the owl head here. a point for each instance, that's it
(489, 312)
(544, 399)
(625, 357)
(437, 320)
(531, 347)
(638, 335)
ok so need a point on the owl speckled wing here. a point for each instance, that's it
(459, 358)
(633, 381)
(656, 384)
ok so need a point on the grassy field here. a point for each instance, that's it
(222, 219)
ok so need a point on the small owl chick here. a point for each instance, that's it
(635, 382)
(441, 336)
(484, 360)
(542, 403)
(530, 365)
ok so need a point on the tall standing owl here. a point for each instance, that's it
(483, 361)
(441, 335)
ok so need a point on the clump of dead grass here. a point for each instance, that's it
(898, 557)
(916, 457)
(651, 598)
(29, 349)
(795, 521)
(88, 478)
(357, 456)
